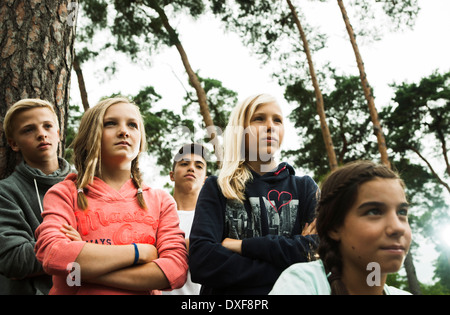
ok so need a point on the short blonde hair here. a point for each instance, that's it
(234, 173)
(21, 106)
(87, 148)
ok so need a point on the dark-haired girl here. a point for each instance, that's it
(364, 233)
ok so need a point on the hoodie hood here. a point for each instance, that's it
(32, 174)
(41, 181)
(282, 171)
(101, 190)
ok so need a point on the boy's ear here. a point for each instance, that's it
(13, 144)
(171, 176)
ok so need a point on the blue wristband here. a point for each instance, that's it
(136, 254)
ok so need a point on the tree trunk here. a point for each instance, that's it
(81, 84)
(194, 81)
(409, 264)
(319, 99)
(413, 283)
(36, 49)
(430, 167)
(367, 90)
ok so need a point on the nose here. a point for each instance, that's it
(191, 167)
(123, 131)
(395, 225)
(42, 133)
(270, 125)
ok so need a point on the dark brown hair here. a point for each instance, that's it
(193, 148)
(338, 194)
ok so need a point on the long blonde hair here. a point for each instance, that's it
(87, 149)
(235, 173)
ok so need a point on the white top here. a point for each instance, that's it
(309, 278)
(190, 288)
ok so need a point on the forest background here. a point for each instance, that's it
(233, 49)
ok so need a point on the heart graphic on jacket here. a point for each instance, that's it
(274, 192)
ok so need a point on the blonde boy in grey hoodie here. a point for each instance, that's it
(31, 128)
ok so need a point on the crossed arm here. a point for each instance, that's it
(236, 245)
(112, 265)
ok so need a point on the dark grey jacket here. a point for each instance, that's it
(21, 196)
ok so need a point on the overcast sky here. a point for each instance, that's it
(398, 57)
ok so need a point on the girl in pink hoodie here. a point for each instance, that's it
(127, 238)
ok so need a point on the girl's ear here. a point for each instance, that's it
(335, 234)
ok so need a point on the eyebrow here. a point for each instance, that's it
(189, 160)
(34, 124)
(118, 118)
(380, 204)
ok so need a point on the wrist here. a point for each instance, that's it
(136, 254)
(147, 253)
(233, 245)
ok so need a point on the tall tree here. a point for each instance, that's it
(328, 141)
(393, 9)
(147, 21)
(193, 78)
(36, 52)
(367, 89)
(349, 127)
(81, 83)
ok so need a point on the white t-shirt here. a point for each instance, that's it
(309, 278)
(190, 288)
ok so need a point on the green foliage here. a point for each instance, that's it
(165, 130)
(419, 108)
(442, 271)
(220, 101)
(420, 117)
(136, 27)
(267, 27)
(373, 19)
(397, 281)
(401, 13)
(73, 122)
(347, 119)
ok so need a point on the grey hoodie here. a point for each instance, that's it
(21, 196)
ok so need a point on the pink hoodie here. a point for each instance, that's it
(113, 218)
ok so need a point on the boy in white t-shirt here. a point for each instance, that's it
(188, 173)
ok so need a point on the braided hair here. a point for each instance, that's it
(338, 194)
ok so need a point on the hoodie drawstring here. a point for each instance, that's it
(37, 195)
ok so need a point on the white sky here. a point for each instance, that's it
(398, 57)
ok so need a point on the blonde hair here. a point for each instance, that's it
(87, 149)
(235, 173)
(21, 106)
